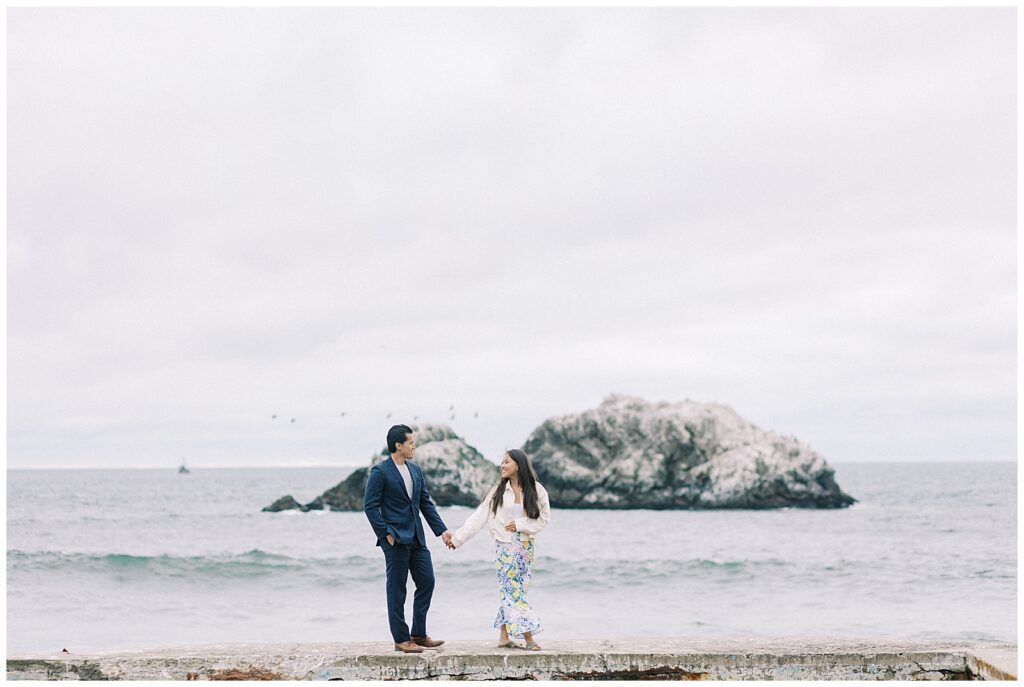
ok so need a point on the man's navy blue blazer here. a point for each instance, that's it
(390, 510)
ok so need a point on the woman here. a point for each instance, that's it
(514, 511)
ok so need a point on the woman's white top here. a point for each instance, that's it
(495, 523)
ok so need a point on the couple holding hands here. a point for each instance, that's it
(514, 510)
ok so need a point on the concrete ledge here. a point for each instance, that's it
(665, 659)
(993, 663)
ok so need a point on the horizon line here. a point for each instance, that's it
(361, 465)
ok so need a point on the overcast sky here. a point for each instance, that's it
(219, 215)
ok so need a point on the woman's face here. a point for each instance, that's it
(508, 466)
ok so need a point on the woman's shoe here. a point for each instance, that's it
(508, 645)
(532, 646)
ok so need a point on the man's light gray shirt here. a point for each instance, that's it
(406, 477)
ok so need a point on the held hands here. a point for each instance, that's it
(510, 526)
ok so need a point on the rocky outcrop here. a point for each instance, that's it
(456, 474)
(629, 453)
(626, 453)
(284, 503)
(345, 495)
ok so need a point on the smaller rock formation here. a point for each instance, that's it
(284, 503)
(456, 474)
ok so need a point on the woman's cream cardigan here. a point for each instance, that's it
(527, 527)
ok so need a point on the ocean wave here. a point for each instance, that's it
(551, 571)
(254, 563)
(332, 570)
(638, 571)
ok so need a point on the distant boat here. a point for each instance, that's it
(183, 470)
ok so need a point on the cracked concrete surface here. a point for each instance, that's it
(794, 658)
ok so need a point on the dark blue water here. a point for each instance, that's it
(99, 560)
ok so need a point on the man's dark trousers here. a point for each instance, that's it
(400, 560)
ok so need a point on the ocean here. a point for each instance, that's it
(99, 560)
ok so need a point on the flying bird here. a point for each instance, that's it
(273, 417)
(343, 414)
(451, 407)
(388, 416)
(453, 416)
(476, 414)
(294, 419)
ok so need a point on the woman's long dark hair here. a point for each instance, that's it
(528, 482)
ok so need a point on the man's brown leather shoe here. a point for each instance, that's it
(428, 642)
(408, 647)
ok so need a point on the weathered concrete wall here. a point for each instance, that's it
(993, 662)
(666, 659)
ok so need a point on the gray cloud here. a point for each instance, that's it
(215, 215)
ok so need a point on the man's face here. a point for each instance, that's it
(406, 448)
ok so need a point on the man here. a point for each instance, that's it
(395, 495)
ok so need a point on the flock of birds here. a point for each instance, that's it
(184, 470)
(451, 409)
